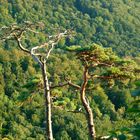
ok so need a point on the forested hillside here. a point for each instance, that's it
(115, 105)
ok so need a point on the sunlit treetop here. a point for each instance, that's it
(106, 62)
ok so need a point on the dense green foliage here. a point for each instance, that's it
(110, 23)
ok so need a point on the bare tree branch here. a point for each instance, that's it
(52, 46)
(59, 85)
(55, 41)
(65, 84)
(74, 85)
(21, 46)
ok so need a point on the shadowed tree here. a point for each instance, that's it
(40, 54)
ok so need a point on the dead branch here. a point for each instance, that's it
(65, 84)
(21, 46)
(59, 85)
(74, 85)
(55, 41)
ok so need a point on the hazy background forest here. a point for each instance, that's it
(116, 107)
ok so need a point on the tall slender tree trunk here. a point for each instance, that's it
(49, 134)
(87, 107)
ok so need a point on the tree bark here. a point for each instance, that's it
(87, 107)
(49, 134)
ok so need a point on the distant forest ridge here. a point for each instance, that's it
(112, 23)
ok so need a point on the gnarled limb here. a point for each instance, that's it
(65, 84)
(21, 46)
(55, 42)
(86, 105)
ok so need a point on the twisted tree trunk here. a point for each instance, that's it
(87, 107)
(49, 134)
